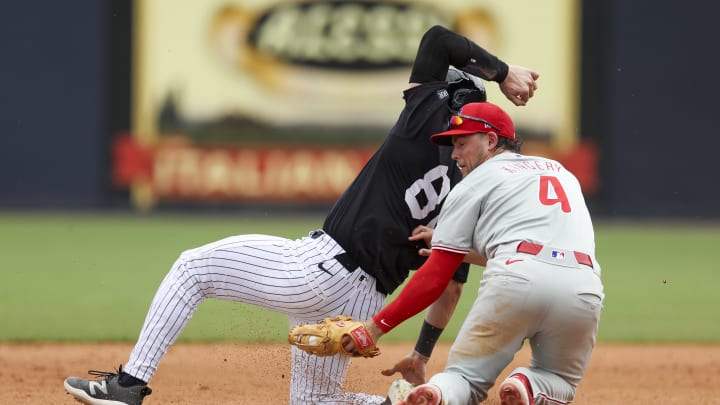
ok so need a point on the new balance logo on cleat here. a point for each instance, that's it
(102, 386)
(107, 391)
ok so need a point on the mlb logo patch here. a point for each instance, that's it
(556, 254)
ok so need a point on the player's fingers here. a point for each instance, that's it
(390, 371)
(348, 344)
(517, 100)
(424, 252)
(419, 230)
(514, 92)
(424, 234)
(417, 236)
(400, 367)
(533, 83)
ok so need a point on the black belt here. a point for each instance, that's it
(343, 258)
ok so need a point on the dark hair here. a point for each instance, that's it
(508, 144)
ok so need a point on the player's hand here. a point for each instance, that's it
(330, 337)
(412, 367)
(519, 85)
(423, 233)
(374, 332)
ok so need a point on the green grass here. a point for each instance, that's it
(660, 282)
(82, 277)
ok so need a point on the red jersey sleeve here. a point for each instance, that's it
(424, 287)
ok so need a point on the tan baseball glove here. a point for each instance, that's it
(325, 338)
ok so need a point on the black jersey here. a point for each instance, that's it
(401, 187)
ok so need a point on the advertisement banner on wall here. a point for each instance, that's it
(261, 101)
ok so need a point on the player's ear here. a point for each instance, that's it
(492, 140)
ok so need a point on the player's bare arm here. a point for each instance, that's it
(520, 84)
(475, 257)
(413, 366)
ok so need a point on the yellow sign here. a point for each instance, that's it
(329, 73)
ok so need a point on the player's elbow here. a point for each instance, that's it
(434, 34)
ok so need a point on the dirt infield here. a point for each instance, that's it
(215, 374)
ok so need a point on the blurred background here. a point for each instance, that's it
(245, 104)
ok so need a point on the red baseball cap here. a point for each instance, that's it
(477, 117)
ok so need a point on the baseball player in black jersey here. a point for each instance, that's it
(362, 253)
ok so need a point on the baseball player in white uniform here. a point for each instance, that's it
(525, 218)
(360, 255)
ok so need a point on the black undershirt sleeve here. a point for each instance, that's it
(441, 47)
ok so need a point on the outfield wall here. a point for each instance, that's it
(646, 95)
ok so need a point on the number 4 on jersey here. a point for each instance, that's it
(552, 192)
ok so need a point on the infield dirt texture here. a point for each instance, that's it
(90, 278)
(257, 374)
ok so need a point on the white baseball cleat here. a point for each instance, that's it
(516, 390)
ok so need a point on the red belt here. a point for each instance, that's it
(534, 248)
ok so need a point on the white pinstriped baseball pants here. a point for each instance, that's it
(275, 273)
